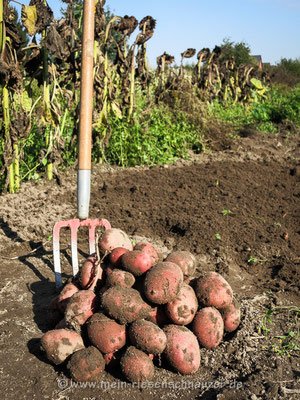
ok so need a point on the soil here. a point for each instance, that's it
(236, 210)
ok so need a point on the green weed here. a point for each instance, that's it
(287, 343)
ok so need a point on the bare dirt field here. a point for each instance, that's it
(255, 245)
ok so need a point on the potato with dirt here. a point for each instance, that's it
(64, 296)
(208, 326)
(88, 272)
(148, 248)
(213, 290)
(80, 308)
(113, 238)
(183, 308)
(185, 260)
(105, 333)
(124, 304)
(231, 316)
(182, 351)
(119, 277)
(136, 365)
(59, 344)
(147, 337)
(163, 282)
(86, 365)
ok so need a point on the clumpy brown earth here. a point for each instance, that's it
(236, 210)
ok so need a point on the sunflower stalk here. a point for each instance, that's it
(132, 84)
(103, 115)
(6, 117)
(2, 29)
(47, 105)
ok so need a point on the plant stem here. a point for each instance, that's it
(16, 166)
(132, 83)
(5, 101)
(2, 29)
(46, 91)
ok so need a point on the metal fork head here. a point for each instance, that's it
(74, 224)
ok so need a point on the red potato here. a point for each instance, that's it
(231, 316)
(185, 260)
(137, 365)
(80, 308)
(213, 290)
(208, 326)
(137, 262)
(148, 248)
(163, 282)
(116, 255)
(86, 365)
(113, 238)
(182, 350)
(147, 336)
(105, 333)
(158, 316)
(60, 344)
(67, 292)
(124, 304)
(118, 277)
(183, 308)
(87, 274)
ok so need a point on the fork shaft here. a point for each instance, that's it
(83, 192)
(86, 108)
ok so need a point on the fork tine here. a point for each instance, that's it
(74, 224)
(56, 256)
(92, 246)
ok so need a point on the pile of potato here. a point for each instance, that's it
(133, 309)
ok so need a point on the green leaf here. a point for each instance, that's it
(257, 83)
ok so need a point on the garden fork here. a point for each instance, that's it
(85, 144)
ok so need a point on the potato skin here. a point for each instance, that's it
(118, 277)
(163, 282)
(137, 262)
(80, 308)
(87, 272)
(185, 260)
(86, 365)
(113, 238)
(115, 256)
(182, 350)
(105, 333)
(183, 308)
(124, 304)
(213, 290)
(60, 344)
(231, 316)
(66, 293)
(148, 248)
(208, 326)
(147, 336)
(137, 365)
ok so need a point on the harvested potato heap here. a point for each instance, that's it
(132, 309)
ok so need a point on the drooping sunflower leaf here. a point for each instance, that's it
(29, 19)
